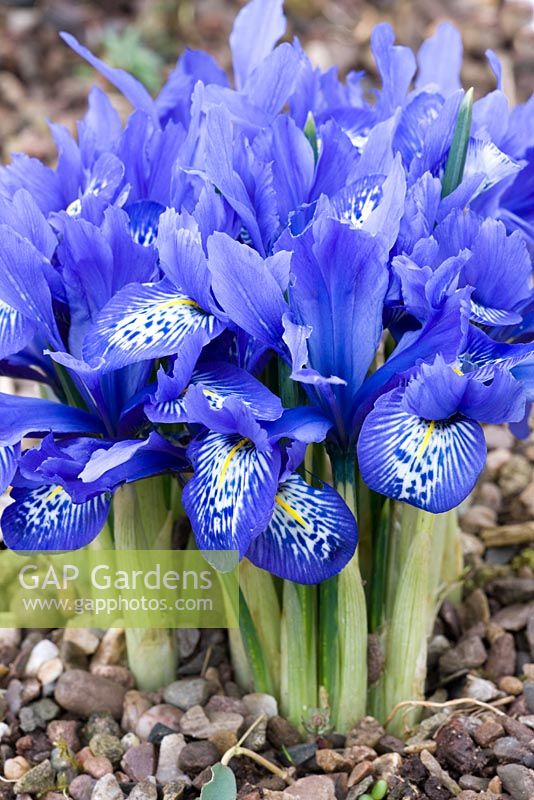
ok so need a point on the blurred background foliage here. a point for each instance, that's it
(40, 78)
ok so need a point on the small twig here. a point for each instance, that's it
(207, 659)
(268, 765)
(238, 750)
(249, 731)
(450, 703)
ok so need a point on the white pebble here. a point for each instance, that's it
(44, 651)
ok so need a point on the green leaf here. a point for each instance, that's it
(454, 169)
(310, 132)
(253, 648)
(222, 785)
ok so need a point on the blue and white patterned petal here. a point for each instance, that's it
(144, 221)
(429, 464)
(218, 382)
(225, 380)
(9, 457)
(166, 411)
(482, 354)
(311, 537)
(485, 158)
(493, 316)
(45, 518)
(144, 321)
(15, 330)
(230, 498)
(354, 204)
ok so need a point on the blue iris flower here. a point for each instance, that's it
(245, 494)
(53, 294)
(149, 279)
(423, 443)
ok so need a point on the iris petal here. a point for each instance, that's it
(312, 534)
(144, 221)
(486, 158)
(8, 464)
(45, 518)
(15, 330)
(218, 381)
(230, 498)
(493, 316)
(145, 321)
(429, 464)
(354, 203)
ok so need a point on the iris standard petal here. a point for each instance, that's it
(45, 518)
(144, 321)
(440, 60)
(312, 534)
(429, 464)
(24, 283)
(131, 88)
(246, 289)
(230, 498)
(257, 28)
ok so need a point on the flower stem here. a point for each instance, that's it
(259, 670)
(259, 590)
(406, 625)
(453, 561)
(298, 690)
(350, 652)
(141, 521)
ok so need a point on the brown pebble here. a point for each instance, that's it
(495, 785)
(418, 747)
(488, 732)
(343, 760)
(223, 740)
(84, 754)
(360, 772)
(97, 766)
(388, 764)
(511, 685)
(368, 731)
(139, 762)
(282, 733)
(501, 658)
(115, 673)
(84, 693)
(456, 750)
(516, 729)
(493, 631)
(65, 730)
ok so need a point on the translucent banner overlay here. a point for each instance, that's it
(119, 589)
